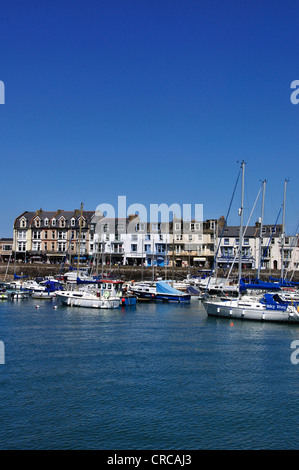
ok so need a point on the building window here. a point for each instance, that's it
(246, 252)
(246, 241)
(36, 246)
(22, 246)
(36, 235)
(177, 226)
(21, 235)
(46, 222)
(226, 241)
(179, 237)
(53, 246)
(53, 222)
(73, 222)
(46, 246)
(46, 233)
(134, 248)
(120, 227)
(61, 235)
(23, 223)
(37, 222)
(53, 234)
(62, 222)
(82, 221)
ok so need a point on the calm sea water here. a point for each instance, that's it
(156, 377)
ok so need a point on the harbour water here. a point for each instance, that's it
(155, 376)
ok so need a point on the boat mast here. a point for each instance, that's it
(261, 230)
(241, 225)
(283, 226)
(79, 243)
(165, 257)
(142, 247)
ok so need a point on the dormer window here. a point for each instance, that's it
(53, 222)
(46, 222)
(73, 222)
(62, 222)
(23, 223)
(37, 222)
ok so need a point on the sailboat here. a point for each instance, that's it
(248, 308)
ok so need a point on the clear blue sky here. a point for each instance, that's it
(153, 99)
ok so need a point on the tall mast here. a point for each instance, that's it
(283, 225)
(261, 230)
(142, 245)
(79, 243)
(165, 256)
(241, 224)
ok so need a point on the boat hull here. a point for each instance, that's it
(45, 295)
(287, 315)
(128, 300)
(147, 296)
(186, 298)
(89, 302)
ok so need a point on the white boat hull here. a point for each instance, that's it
(242, 311)
(43, 295)
(88, 301)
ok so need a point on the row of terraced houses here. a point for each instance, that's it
(59, 236)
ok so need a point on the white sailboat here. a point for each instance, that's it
(250, 308)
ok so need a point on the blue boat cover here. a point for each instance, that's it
(258, 284)
(192, 290)
(52, 286)
(285, 282)
(164, 288)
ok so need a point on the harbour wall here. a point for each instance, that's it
(126, 273)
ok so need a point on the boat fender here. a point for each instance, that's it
(298, 309)
(106, 295)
